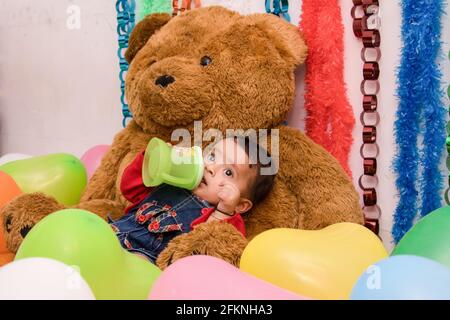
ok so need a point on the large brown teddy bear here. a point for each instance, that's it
(229, 71)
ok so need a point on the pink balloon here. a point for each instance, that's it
(93, 157)
(208, 278)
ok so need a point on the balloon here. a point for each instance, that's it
(93, 157)
(208, 278)
(429, 238)
(404, 278)
(9, 157)
(321, 264)
(8, 191)
(78, 237)
(6, 257)
(60, 175)
(42, 279)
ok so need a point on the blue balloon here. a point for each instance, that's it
(404, 277)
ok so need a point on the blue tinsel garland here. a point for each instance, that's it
(125, 10)
(280, 8)
(420, 107)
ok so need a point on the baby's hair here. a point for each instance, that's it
(262, 184)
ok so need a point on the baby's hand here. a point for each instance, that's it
(229, 196)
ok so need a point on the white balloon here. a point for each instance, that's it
(9, 157)
(42, 279)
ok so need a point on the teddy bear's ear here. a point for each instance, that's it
(286, 36)
(143, 31)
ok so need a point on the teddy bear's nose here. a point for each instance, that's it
(164, 80)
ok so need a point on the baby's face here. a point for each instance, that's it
(226, 163)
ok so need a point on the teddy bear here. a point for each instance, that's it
(228, 71)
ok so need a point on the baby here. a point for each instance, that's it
(232, 183)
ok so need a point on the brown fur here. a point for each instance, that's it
(222, 243)
(249, 84)
(17, 219)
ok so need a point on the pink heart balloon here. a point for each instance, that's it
(93, 157)
(208, 278)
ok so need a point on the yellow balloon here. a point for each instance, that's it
(320, 264)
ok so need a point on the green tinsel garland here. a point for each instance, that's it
(146, 7)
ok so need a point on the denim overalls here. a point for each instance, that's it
(164, 214)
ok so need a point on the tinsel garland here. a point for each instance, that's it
(447, 144)
(330, 119)
(146, 7)
(279, 8)
(125, 10)
(420, 110)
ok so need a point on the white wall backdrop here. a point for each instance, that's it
(59, 88)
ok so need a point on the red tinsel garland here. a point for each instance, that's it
(330, 118)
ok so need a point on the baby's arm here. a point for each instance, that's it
(229, 197)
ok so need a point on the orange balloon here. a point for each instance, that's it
(8, 191)
(3, 249)
(5, 258)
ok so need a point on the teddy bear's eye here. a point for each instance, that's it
(8, 223)
(205, 60)
(152, 61)
(24, 231)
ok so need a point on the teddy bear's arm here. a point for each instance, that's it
(216, 239)
(325, 193)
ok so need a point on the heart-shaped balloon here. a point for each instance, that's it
(82, 239)
(321, 264)
(207, 278)
(404, 278)
(60, 175)
(429, 238)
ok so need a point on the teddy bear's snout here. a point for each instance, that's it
(164, 81)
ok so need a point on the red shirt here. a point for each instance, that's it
(235, 220)
(134, 190)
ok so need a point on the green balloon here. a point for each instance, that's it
(82, 239)
(429, 238)
(60, 175)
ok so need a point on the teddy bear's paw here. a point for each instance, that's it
(215, 239)
(22, 213)
(104, 208)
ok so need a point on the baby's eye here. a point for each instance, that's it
(228, 172)
(211, 157)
